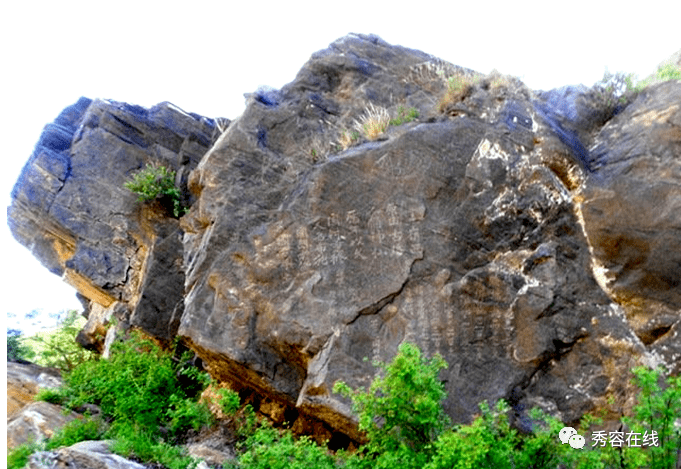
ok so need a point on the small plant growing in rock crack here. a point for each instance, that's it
(459, 86)
(404, 116)
(614, 92)
(374, 122)
(347, 138)
(157, 183)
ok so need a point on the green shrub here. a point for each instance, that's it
(668, 72)
(16, 346)
(133, 441)
(76, 431)
(135, 384)
(247, 422)
(404, 116)
(140, 395)
(194, 380)
(53, 396)
(185, 414)
(149, 399)
(229, 401)
(270, 449)
(138, 390)
(657, 409)
(59, 348)
(17, 458)
(542, 448)
(401, 409)
(488, 442)
(156, 183)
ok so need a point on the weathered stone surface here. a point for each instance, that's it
(459, 233)
(24, 381)
(83, 455)
(482, 232)
(35, 422)
(210, 455)
(71, 209)
(631, 209)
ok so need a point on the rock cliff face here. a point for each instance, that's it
(71, 210)
(513, 232)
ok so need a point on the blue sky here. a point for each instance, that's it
(203, 55)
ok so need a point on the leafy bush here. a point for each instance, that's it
(156, 183)
(59, 348)
(488, 442)
(16, 346)
(17, 458)
(229, 401)
(664, 72)
(138, 383)
(138, 391)
(657, 410)
(76, 431)
(392, 403)
(185, 414)
(401, 411)
(53, 396)
(135, 384)
(668, 72)
(133, 441)
(270, 449)
(247, 422)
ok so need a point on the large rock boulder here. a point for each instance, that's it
(479, 231)
(70, 208)
(460, 233)
(83, 455)
(36, 422)
(24, 381)
(631, 208)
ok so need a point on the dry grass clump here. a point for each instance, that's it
(346, 139)
(374, 122)
(459, 86)
(317, 147)
(430, 75)
(497, 80)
